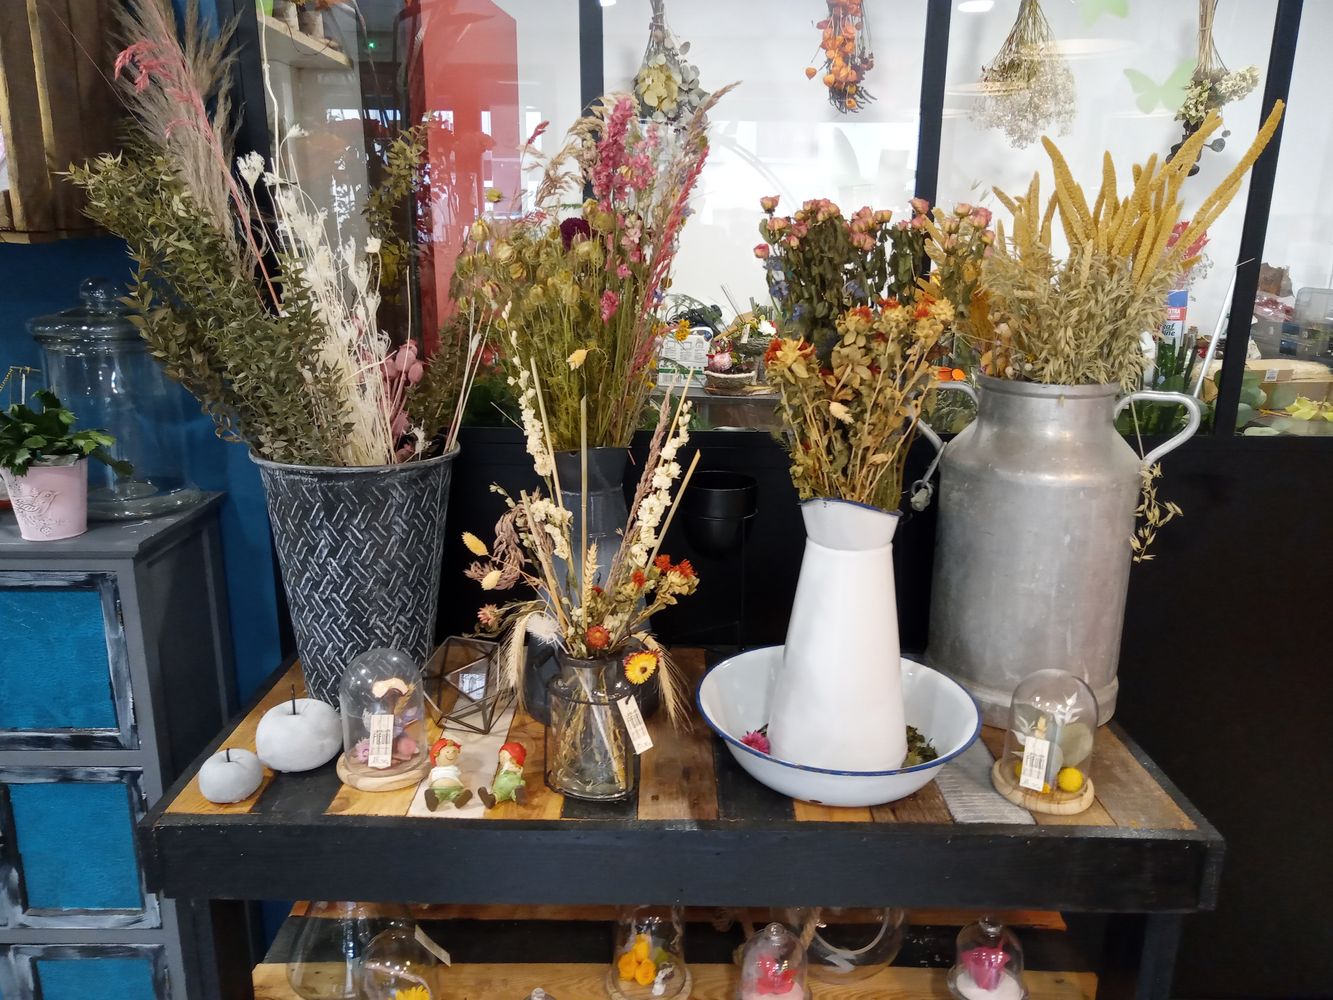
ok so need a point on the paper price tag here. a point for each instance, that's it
(381, 741)
(1270, 375)
(424, 940)
(638, 731)
(1035, 754)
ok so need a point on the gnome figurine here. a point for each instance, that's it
(508, 781)
(445, 783)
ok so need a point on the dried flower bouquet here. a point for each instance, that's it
(1078, 320)
(578, 298)
(272, 325)
(586, 616)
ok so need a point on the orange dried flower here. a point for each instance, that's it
(598, 637)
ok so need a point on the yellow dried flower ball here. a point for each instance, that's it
(1070, 779)
(626, 966)
(642, 947)
(646, 973)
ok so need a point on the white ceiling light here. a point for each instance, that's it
(967, 6)
(608, 3)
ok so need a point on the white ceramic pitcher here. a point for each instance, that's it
(838, 699)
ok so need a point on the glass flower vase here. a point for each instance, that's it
(589, 754)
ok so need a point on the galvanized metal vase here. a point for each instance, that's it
(360, 551)
(1032, 558)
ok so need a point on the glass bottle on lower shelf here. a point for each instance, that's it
(649, 959)
(332, 938)
(847, 945)
(989, 963)
(397, 966)
(589, 754)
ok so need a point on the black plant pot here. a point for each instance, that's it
(718, 509)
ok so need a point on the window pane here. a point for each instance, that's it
(1128, 73)
(1289, 369)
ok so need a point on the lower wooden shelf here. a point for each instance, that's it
(711, 982)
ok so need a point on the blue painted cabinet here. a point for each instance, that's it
(115, 671)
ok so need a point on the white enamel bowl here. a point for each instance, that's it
(734, 699)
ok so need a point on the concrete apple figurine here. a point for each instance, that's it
(230, 775)
(299, 735)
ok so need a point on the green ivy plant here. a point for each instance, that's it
(31, 437)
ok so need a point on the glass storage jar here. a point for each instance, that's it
(384, 722)
(100, 367)
(846, 945)
(1048, 744)
(331, 940)
(589, 754)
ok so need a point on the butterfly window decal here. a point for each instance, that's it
(1167, 95)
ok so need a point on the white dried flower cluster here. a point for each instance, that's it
(548, 515)
(344, 290)
(1027, 97)
(532, 425)
(655, 504)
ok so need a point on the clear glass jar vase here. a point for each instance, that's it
(331, 940)
(847, 945)
(589, 754)
(100, 366)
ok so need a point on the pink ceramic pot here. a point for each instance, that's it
(51, 501)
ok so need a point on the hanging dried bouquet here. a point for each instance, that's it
(845, 41)
(667, 85)
(1212, 86)
(1027, 89)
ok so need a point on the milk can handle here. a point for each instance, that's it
(1191, 424)
(922, 490)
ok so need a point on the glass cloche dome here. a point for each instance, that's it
(988, 964)
(1047, 755)
(384, 722)
(773, 966)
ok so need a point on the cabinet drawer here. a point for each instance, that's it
(69, 856)
(84, 972)
(64, 666)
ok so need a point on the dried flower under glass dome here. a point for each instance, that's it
(1027, 89)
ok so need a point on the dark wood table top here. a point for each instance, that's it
(698, 831)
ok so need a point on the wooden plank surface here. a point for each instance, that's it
(925, 806)
(191, 800)
(1095, 815)
(689, 777)
(570, 981)
(1128, 792)
(677, 780)
(542, 802)
(55, 59)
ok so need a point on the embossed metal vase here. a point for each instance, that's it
(360, 552)
(1032, 557)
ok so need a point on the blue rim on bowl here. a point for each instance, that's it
(937, 762)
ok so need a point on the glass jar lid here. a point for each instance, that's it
(101, 318)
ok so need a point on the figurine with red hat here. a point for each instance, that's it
(508, 781)
(445, 782)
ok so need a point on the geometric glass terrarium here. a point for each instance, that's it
(384, 722)
(649, 959)
(1048, 745)
(989, 963)
(470, 693)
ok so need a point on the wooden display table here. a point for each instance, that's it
(701, 832)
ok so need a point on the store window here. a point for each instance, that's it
(1128, 69)
(1288, 387)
